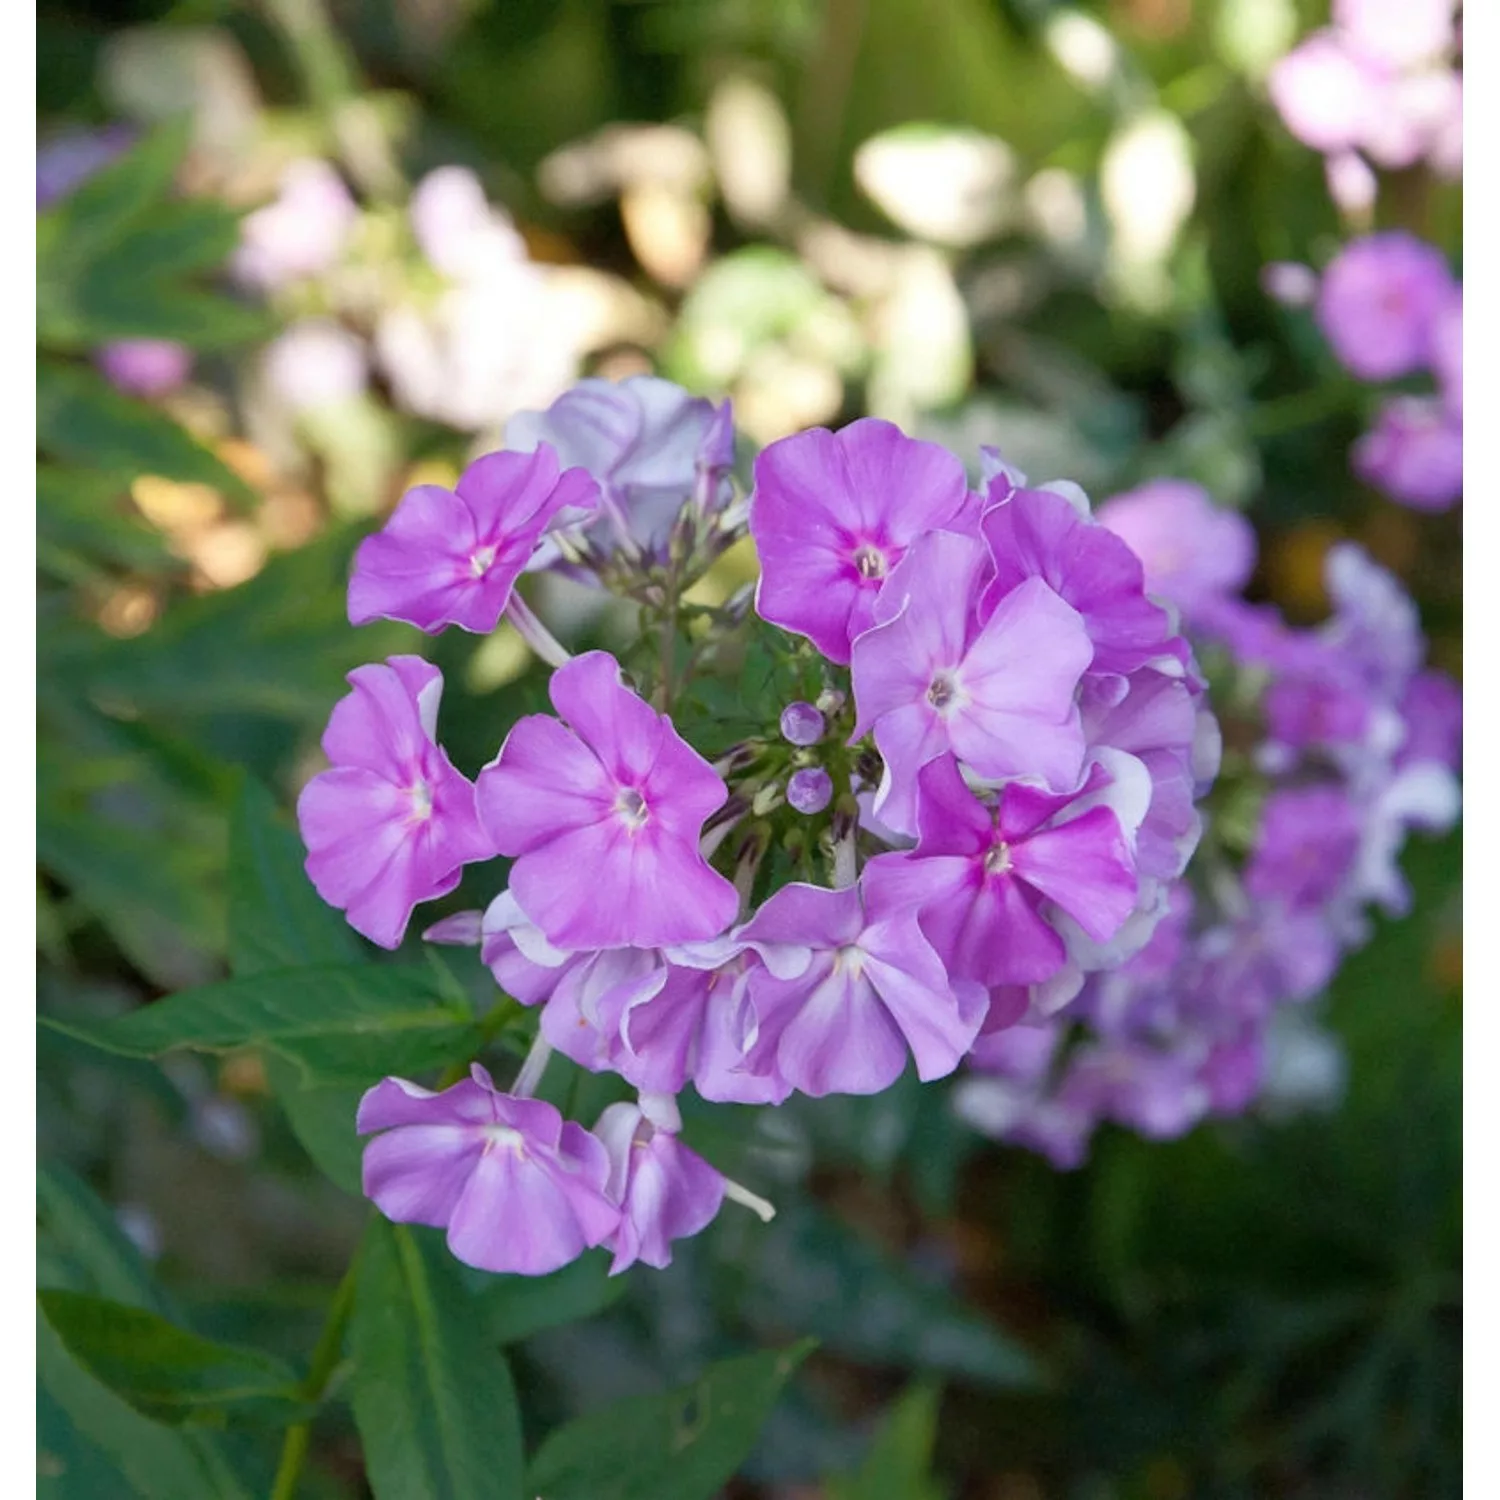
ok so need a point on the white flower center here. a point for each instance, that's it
(421, 801)
(631, 806)
(479, 563)
(997, 860)
(869, 562)
(504, 1137)
(942, 692)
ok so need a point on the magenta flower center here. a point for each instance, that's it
(870, 562)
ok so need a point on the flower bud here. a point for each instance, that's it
(810, 790)
(802, 724)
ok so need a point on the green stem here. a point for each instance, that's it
(1300, 409)
(325, 1361)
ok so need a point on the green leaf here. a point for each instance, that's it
(81, 1247)
(432, 1393)
(102, 306)
(88, 222)
(68, 1465)
(339, 1023)
(276, 919)
(684, 1445)
(159, 1463)
(322, 1119)
(898, 1465)
(515, 1307)
(78, 514)
(167, 1373)
(81, 419)
(811, 1272)
(178, 238)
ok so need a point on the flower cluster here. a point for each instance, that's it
(1379, 87)
(979, 803)
(1340, 745)
(1390, 308)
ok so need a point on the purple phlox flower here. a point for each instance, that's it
(1414, 453)
(984, 879)
(458, 231)
(1170, 731)
(603, 815)
(868, 991)
(1233, 1073)
(653, 448)
(1326, 94)
(392, 823)
(1377, 303)
(517, 1188)
(1432, 711)
(1375, 626)
(997, 689)
(301, 233)
(1039, 534)
(1250, 963)
(1305, 846)
(316, 363)
(1352, 183)
(834, 513)
(665, 1191)
(451, 557)
(1445, 353)
(69, 159)
(1191, 549)
(1157, 1094)
(1303, 710)
(802, 724)
(1414, 117)
(464, 929)
(1396, 33)
(1422, 796)
(145, 367)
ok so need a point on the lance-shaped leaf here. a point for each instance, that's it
(167, 1373)
(432, 1393)
(684, 1445)
(339, 1023)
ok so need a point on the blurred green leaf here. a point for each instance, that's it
(339, 1023)
(82, 420)
(515, 1307)
(157, 1462)
(898, 1465)
(167, 1373)
(432, 1393)
(813, 1274)
(97, 215)
(684, 1445)
(80, 1247)
(79, 515)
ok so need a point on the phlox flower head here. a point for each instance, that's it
(1377, 302)
(1396, 33)
(301, 233)
(316, 363)
(1305, 846)
(392, 823)
(665, 1190)
(834, 513)
(517, 1188)
(652, 447)
(854, 989)
(1414, 453)
(937, 674)
(145, 367)
(603, 815)
(1326, 94)
(1192, 550)
(451, 557)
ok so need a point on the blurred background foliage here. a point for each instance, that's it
(996, 221)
